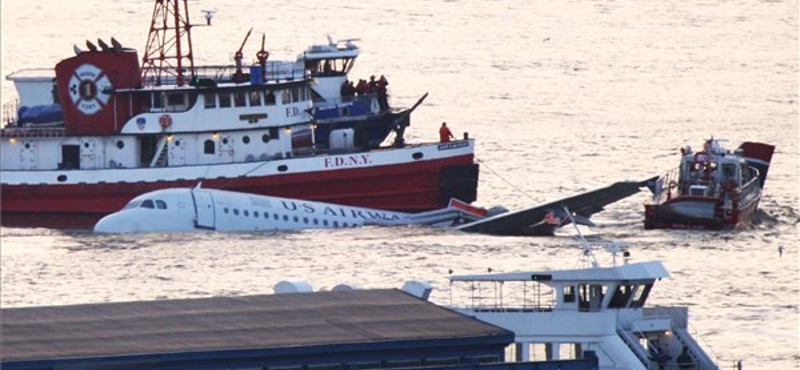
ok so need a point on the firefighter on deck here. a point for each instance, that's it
(444, 133)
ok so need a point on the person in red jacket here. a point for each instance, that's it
(444, 133)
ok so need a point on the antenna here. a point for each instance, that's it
(169, 45)
(238, 76)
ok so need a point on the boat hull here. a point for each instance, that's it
(412, 179)
(697, 213)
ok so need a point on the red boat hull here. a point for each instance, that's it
(410, 187)
(682, 213)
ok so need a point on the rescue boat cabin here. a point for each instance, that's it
(109, 120)
(714, 170)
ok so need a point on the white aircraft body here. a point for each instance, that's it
(192, 209)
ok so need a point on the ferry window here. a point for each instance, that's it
(569, 351)
(255, 98)
(160, 204)
(236, 211)
(265, 138)
(210, 100)
(590, 297)
(641, 295)
(569, 294)
(148, 204)
(325, 367)
(269, 98)
(286, 96)
(224, 100)
(442, 361)
(120, 144)
(239, 99)
(365, 365)
(621, 296)
(209, 147)
(394, 364)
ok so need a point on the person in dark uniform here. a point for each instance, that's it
(685, 360)
(444, 133)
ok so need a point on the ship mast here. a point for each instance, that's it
(169, 44)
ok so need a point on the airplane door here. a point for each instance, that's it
(204, 209)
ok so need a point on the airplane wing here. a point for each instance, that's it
(544, 219)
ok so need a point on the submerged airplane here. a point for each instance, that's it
(193, 209)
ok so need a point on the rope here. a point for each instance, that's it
(504, 180)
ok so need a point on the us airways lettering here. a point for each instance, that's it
(348, 161)
(334, 211)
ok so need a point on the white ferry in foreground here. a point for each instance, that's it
(562, 314)
(120, 129)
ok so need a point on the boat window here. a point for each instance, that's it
(255, 98)
(621, 296)
(224, 100)
(160, 204)
(396, 364)
(133, 204)
(365, 365)
(239, 99)
(209, 147)
(269, 97)
(641, 295)
(210, 100)
(286, 96)
(728, 171)
(325, 367)
(569, 294)
(148, 204)
(442, 361)
(295, 94)
(569, 351)
(176, 101)
(158, 100)
(590, 297)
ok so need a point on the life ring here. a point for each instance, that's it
(165, 121)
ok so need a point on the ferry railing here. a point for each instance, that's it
(527, 297)
(687, 334)
(10, 110)
(275, 72)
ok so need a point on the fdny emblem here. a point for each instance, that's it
(141, 122)
(89, 89)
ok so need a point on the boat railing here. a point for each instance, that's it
(503, 296)
(686, 333)
(41, 132)
(667, 186)
(275, 72)
(10, 110)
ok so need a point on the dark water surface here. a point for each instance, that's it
(562, 97)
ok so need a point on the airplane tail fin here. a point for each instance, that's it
(758, 155)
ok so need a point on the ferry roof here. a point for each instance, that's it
(228, 325)
(635, 271)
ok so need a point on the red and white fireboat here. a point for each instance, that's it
(711, 189)
(123, 129)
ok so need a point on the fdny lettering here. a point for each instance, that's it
(348, 161)
(292, 112)
(328, 210)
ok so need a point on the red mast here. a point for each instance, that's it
(170, 35)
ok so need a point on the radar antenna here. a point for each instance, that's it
(168, 51)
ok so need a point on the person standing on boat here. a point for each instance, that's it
(444, 133)
(684, 360)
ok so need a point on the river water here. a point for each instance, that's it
(562, 97)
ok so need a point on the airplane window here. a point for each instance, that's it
(148, 204)
(305, 220)
(344, 224)
(133, 204)
(266, 215)
(325, 222)
(246, 213)
(285, 218)
(255, 213)
(275, 216)
(335, 223)
(296, 219)
(316, 221)
(160, 204)
(236, 211)
(225, 210)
